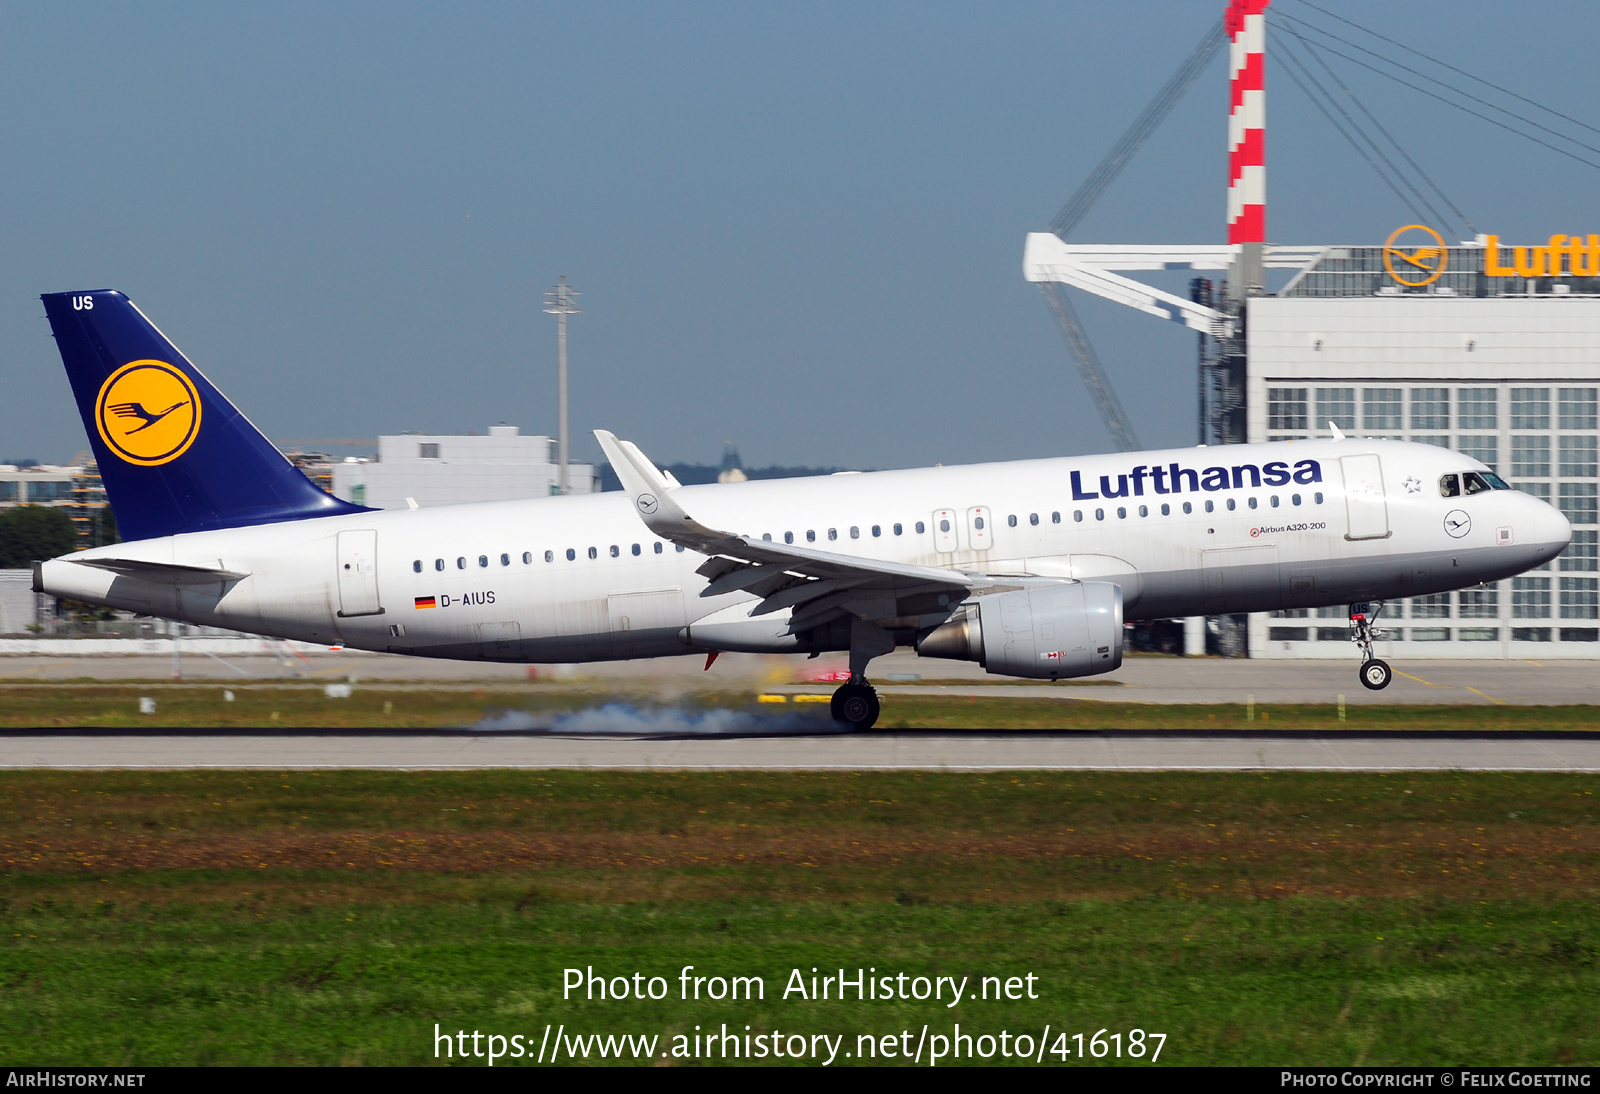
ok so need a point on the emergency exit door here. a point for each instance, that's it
(358, 573)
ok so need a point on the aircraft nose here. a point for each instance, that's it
(1551, 529)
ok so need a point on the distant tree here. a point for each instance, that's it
(103, 528)
(32, 532)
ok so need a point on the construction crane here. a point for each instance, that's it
(1079, 348)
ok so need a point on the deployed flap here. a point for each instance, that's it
(161, 573)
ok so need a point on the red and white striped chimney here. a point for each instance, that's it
(1246, 24)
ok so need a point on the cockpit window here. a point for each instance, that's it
(1494, 480)
(1449, 486)
(1474, 483)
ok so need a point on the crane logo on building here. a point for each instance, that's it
(1415, 255)
(148, 413)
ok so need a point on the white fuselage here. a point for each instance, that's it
(1298, 524)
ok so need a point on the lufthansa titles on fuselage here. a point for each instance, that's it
(1173, 479)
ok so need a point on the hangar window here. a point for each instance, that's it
(1055, 518)
(1380, 408)
(1166, 510)
(1077, 516)
(483, 560)
(1286, 408)
(1336, 405)
(1099, 514)
(1430, 408)
(1477, 408)
(549, 556)
(1033, 518)
(855, 531)
(416, 567)
(920, 528)
(1578, 457)
(877, 530)
(1530, 457)
(505, 560)
(897, 529)
(658, 548)
(427, 451)
(1578, 407)
(438, 564)
(616, 552)
(811, 535)
(1144, 510)
(636, 550)
(461, 563)
(1530, 408)
(1122, 512)
(571, 554)
(1187, 508)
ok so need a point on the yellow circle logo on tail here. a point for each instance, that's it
(148, 413)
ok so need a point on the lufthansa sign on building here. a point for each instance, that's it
(1416, 255)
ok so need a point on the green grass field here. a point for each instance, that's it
(224, 917)
(116, 706)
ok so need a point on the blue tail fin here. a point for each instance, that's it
(174, 454)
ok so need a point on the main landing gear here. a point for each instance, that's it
(856, 704)
(1375, 674)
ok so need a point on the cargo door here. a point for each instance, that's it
(500, 641)
(1240, 579)
(980, 528)
(944, 530)
(1364, 502)
(358, 573)
(637, 618)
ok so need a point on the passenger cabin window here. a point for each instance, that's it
(855, 531)
(483, 560)
(615, 551)
(1294, 499)
(635, 550)
(1144, 510)
(461, 563)
(1211, 506)
(571, 554)
(549, 556)
(788, 537)
(438, 564)
(811, 536)
(920, 528)
(1232, 505)
(944, 525)
(1187, 508)
(1449, 486)
(1099, 514)
(658, 548)
(416, 567)
(1274, 501)
(1033, 518)
(1011, 521)
(1166, 510)
(1077, 516)
(1252, 503)
(593, 553)
(527, 557)
(877, 530)
(1055, 518)
(897, 529)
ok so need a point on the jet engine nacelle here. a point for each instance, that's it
(1050, 633)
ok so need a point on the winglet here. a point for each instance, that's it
(652, 498)
(1338, 434)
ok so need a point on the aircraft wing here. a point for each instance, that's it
(817, 585)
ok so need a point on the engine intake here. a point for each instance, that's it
(1052, 633)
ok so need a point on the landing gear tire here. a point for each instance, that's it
(855, 705)
(1375, 675)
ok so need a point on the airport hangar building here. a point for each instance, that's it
(1484, 348)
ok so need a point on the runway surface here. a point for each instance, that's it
(1139, 680)
(944, 751)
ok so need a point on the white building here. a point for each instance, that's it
(1484, 348)
(449, 470)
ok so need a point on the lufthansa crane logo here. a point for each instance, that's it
(148, 413)
(1413, 259)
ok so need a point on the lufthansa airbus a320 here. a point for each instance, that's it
(1029, 568)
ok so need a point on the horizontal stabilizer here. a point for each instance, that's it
(161, 573)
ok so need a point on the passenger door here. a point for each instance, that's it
(358, 573)
(1365, 506)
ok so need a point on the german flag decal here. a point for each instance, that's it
(426, 602)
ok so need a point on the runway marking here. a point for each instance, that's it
(1419, 679)
(1491, 698)
(1532, 662)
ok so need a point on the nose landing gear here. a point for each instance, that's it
(1375, 674)
(856, 704)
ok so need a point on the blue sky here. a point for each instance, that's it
(796, 227)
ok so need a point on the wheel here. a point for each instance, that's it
(856, 705)
(1375, 675)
